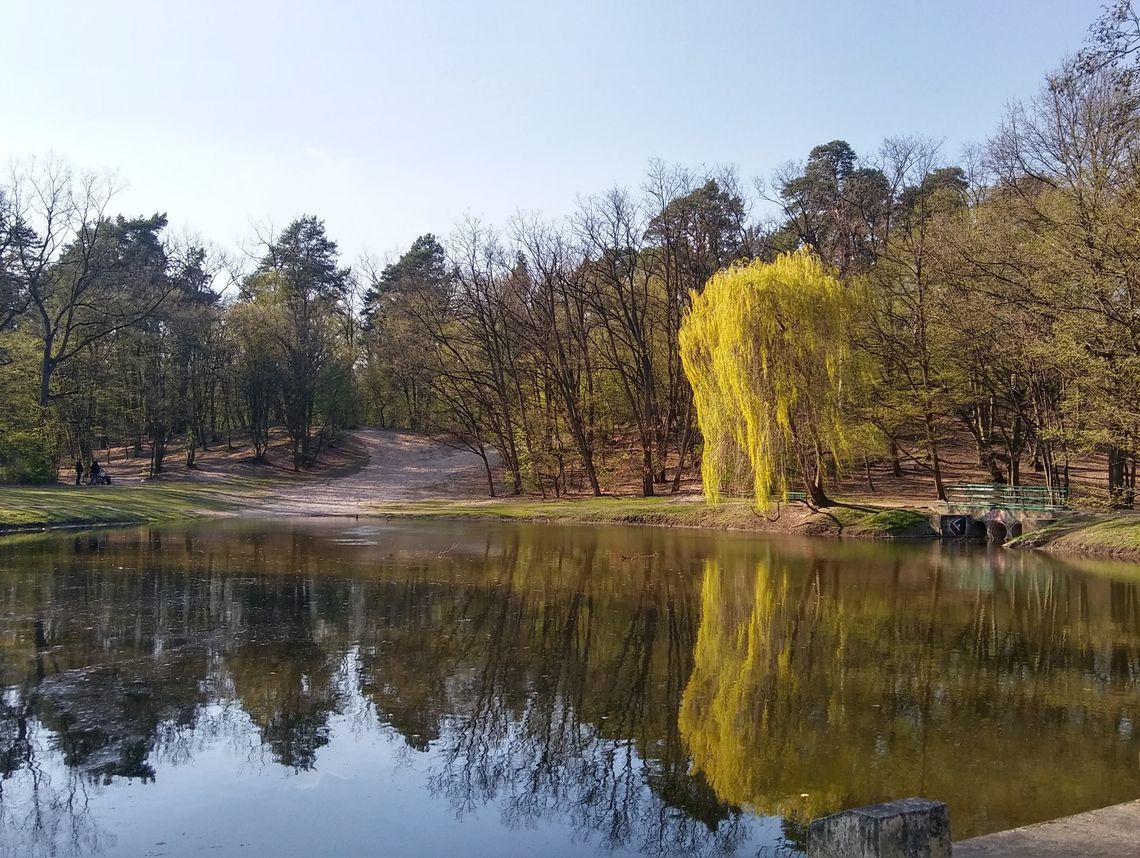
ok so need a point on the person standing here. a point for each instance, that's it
(79, 472)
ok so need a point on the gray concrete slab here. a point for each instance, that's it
(1111, 832)
(914, 827)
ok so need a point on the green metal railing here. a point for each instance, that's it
(998, 496)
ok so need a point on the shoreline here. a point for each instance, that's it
(58, 508)
(30, 509)
(1107, 832)
(399, 474)
(25, 510)
(1094, 537)
(851, 521)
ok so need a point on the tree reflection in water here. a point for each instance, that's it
(650, 704)
(562, 701)
(1013, 700)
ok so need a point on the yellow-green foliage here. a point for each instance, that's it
(767, 350)
(28, 432)
(811, 692)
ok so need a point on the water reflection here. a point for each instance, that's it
(639, 690)
(1012, 697)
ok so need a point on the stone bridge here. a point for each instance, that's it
(999, 512)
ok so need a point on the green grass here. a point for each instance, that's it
(34, 507)
(870, 522)
(659, 511)
(675, 512)
(894, 523)
(1115, 535)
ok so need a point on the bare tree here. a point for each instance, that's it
(697, 227)
(558, 325)
(77, 291)
(624, 296)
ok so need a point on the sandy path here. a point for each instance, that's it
(401, 466)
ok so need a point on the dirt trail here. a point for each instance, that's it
(401, 466)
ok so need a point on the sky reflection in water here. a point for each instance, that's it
(338, 688)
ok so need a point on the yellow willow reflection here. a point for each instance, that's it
(815, 689)
(742, 664)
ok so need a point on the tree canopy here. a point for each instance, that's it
(769, 352)
(991, 317)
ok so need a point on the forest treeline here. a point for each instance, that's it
(998, 302)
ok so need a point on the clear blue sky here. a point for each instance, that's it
(394, 119)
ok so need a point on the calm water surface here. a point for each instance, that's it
(342, 688)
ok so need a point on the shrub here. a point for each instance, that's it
(28, 457)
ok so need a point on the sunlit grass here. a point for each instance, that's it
(890, 522)
(1117, 535)
(672, 512)
(663, 510)
(24, 507)
(72, 506)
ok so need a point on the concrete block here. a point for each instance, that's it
(908, 828)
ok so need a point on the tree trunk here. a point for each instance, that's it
(591, 472)
(47, 367)
(1016, 443)
(816, 492)
(813, 479)
(157, 453)
(578, 431)
(932, 449)
(487, 468)
(1117, 459)
(686, 442)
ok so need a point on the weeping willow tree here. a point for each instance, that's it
(767, 348)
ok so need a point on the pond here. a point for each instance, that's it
(344, 687)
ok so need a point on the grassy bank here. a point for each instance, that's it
(35, 508)
(858, 521)
(38, 507)
(1116, 535)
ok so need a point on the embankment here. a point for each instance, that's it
(859, 521)
(1103, 535)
